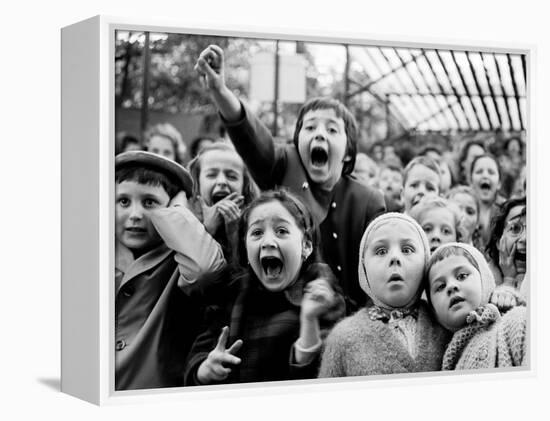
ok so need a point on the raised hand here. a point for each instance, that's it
(318, 299)
(210, 65)
(215, 367)
(506, 260)
(179, 199)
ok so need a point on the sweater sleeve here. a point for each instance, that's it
(515, 333)
(196, 251)
(256, 146)
(333, 356)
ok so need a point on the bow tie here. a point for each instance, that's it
(386, 315)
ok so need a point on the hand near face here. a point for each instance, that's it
(317, 300)
(215, 367)
(506, 259)
(227, 210)
(179, 199)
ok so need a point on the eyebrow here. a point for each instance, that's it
(329, 119)
(260, 220)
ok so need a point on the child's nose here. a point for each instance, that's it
(221, 179)
(268, 240)
(136, 212)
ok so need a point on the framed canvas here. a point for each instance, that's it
(437, 132)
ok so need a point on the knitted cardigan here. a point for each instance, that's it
(490, 341)
(359, 346)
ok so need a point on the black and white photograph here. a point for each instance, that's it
(294, 209)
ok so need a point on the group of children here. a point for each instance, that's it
(266, 262)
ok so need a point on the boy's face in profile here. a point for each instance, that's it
(134, 202)
(322, 145)
(455, 290)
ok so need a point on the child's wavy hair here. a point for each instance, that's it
(341, 111)
(498, 223)
(425, 161)
(249, 189)
(429, 203)
(302, 216)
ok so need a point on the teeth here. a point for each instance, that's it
(272, 266)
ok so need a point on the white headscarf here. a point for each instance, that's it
(375, 224)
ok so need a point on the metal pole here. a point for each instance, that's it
(346, 77)
(145, 86)
(276, 93)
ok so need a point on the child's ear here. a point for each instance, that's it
(307, 249)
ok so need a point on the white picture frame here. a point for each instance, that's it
(88, 220)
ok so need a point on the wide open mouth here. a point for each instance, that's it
(485, 186)
(272, 266)
(319, 156)
(216, 197)
(455, 300)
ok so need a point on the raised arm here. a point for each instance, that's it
(252, 140)
(210, 65)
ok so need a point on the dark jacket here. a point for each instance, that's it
(267, 322)
(342, 214)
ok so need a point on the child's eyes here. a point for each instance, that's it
(470, 212)
(256, 232)
(282, 231)
(462, 276)
(381, 251)
(447, 231)
(150, 203)
(309, 127)
(408, 250)
(332, 130)
(439, 287)
(427, 228)
(429, 187)
(123, 202)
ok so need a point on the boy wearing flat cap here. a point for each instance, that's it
(160, 248)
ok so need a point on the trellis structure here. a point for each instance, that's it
(443, 90)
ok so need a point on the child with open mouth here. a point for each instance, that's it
(507, 250)
(222, 188)
(317, 167)
(396, 334)
(485, 180)
(273, 309)
(459, 287)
